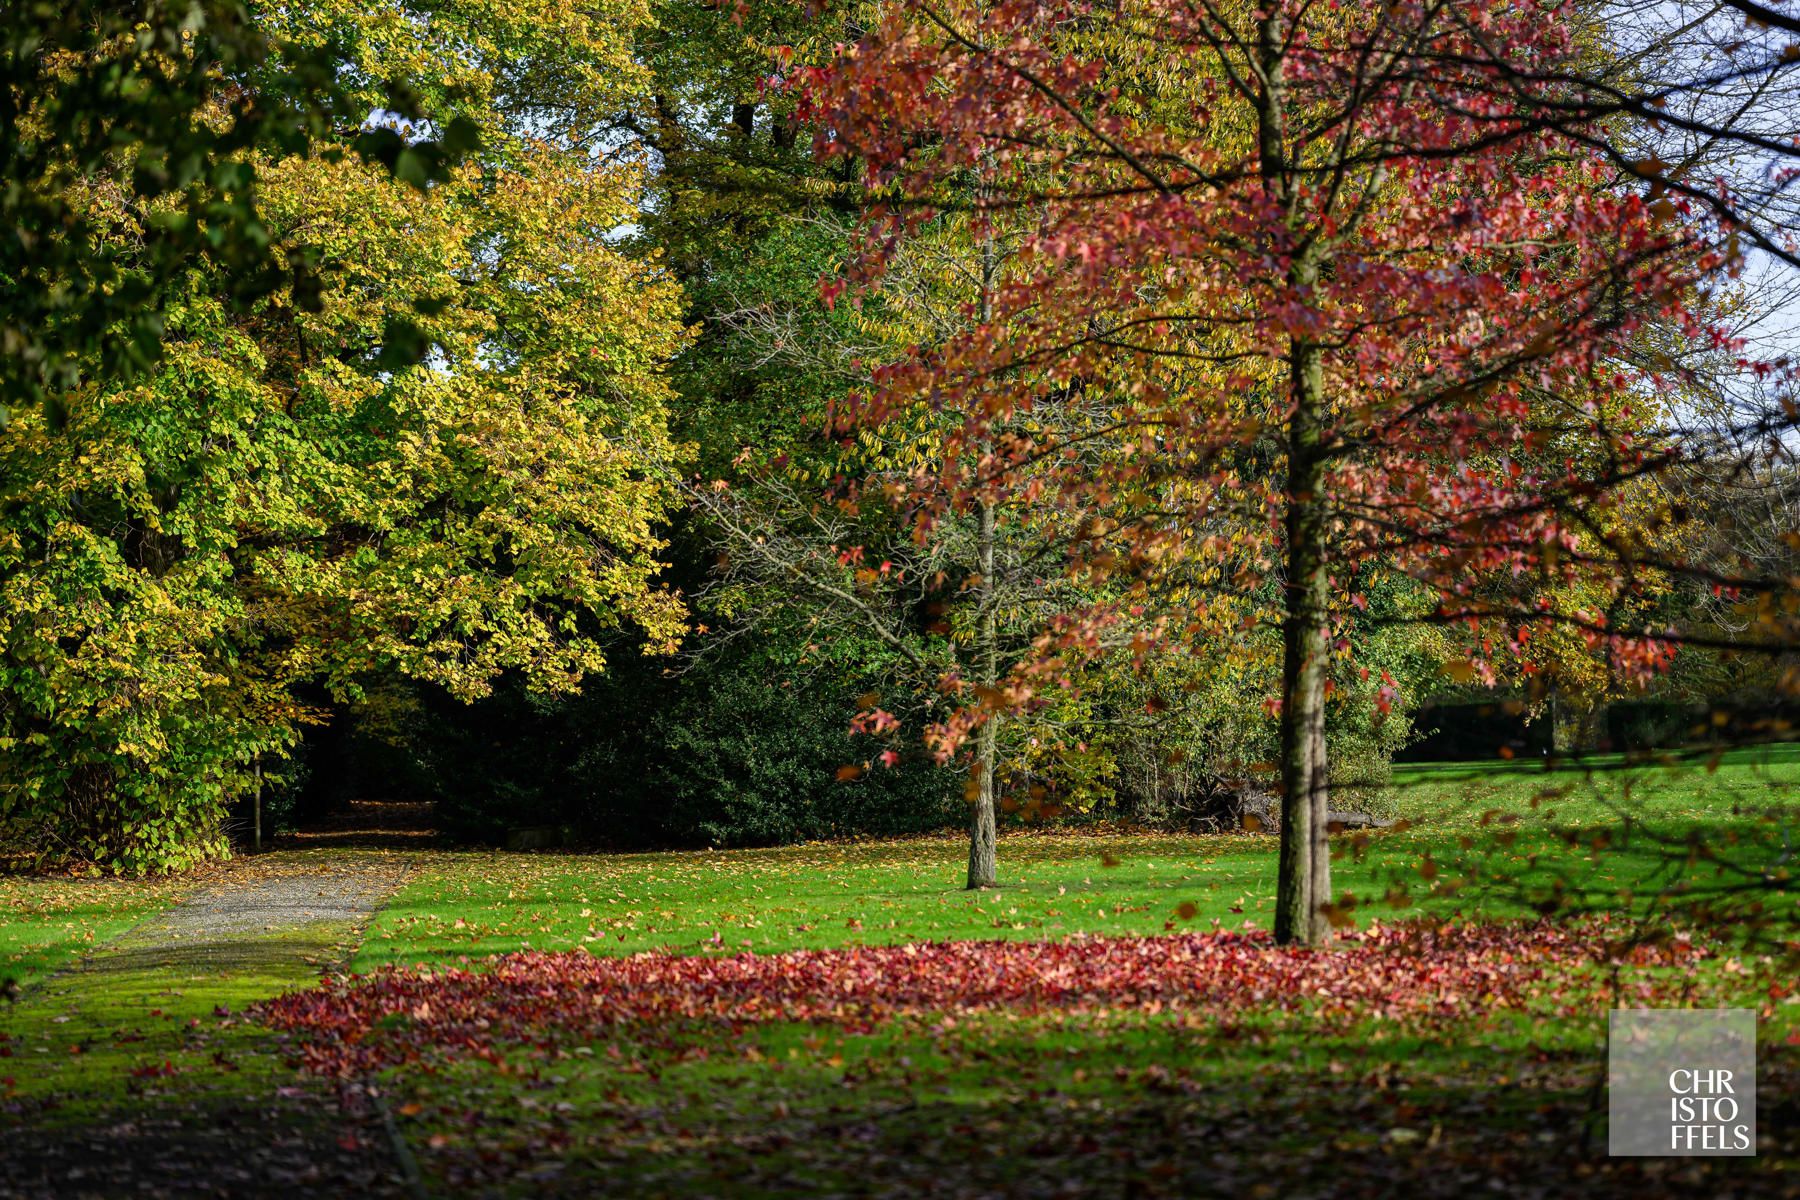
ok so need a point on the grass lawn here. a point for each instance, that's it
(137, 1023)
(1516, 821)
(1099, 1099)
(656, 1058)
(1690, 786)
(132, 1008)
(1119, 1103)
(135, 1069)
(46, 923)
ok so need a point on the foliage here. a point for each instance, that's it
(739, 749)
(131, 137)
(293, 502)
(1339, 287)
(752, 757)
(1416, 977)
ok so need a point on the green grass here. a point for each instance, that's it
(808, 896)
(1127, 1103)
(1687, 787)
(1515, 819)
(1111, 1103)
(135, 1017)
(75, 1043)
(996, 1104)
(46, 923)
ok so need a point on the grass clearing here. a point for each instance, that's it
(1121, 1099)
(1669, 787)
(1104, 1097)
(1122, 1095)
(48, 922)
(154, 1013)
(143, 1023)
(474, 904)
(1120, 1104)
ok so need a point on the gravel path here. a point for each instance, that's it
(273, 899)
(280, 919)
(277, 916)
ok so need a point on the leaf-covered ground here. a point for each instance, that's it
(843, 1019)
(1441, 1058)
(1416, 978)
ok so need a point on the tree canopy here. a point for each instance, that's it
(449, 462)
(1050, 409)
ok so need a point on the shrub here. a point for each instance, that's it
(736, 751)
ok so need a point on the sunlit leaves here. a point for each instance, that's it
(1415, 976)
(134, 139)
(1474, 292)
(444, 462)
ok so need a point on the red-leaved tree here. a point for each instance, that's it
(1339, 280)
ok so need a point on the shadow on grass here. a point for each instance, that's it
(1152, 1133)
(298, 1147)
(129, 1075)
(229, 955)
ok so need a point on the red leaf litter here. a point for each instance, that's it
(1415, 974)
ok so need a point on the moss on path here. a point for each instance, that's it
(128, 1073)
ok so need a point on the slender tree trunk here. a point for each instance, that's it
(1320, 805)
(983, 851)
(1305, 870)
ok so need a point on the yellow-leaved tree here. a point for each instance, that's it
(445, 463)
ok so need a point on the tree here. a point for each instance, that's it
(1408, 281)
(167, 109)
(291, 501)
(931, 609)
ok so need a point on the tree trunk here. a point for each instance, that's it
(1304, 882)
(983, 852)
(1305, 866)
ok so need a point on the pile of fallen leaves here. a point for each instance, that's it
(1411, 974)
